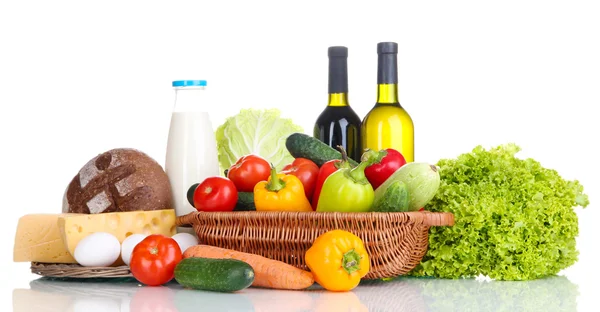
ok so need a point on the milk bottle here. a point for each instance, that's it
(191, 148)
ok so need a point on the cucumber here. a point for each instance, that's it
(422, 181)
(245, 202)
(395, 199)
(301, 145)
(221, 275)
(190, 193)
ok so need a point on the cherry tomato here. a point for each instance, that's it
(215, 194)
(305, 170)
(248, 171)
(153, 260)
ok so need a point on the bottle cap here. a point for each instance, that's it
(189, 83)
(337, 51)
(387, 48)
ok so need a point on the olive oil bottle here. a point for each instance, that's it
(338, 124)
(388, 125)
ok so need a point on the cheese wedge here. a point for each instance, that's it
(74, 227)
(38, 239)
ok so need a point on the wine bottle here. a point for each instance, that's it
(388, 125)
(338, 124)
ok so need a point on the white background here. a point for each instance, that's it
(78, 78)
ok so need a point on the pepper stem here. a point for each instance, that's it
(358, 174)
(275, 183)
(344, 163)
(343, 151)
(351, 261)
(372, 156)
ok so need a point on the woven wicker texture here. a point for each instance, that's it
(78, 271)
(396, 242)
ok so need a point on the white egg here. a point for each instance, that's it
(185, 240)
(128, 244)
(98, 249)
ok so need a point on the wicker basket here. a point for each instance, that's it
(396, 242)
(78, 271)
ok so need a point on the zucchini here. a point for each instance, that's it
(222, 275)
(394, 199)
(245, 202)
(301, 145)
(422, 181)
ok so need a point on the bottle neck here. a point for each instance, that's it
(338, 99)
(387, 93)
(387, 78)
(338, 75)
(190, 99)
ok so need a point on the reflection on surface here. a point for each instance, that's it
(402, 294)
(554, 293)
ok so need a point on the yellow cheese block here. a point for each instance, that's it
(38, 239)
(74, 228)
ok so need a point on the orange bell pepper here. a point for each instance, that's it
(338, 260)
(281, 192)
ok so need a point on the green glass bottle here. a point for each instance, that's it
(338, 124)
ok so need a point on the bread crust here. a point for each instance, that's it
(122, 179)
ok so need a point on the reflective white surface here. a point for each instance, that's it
(403, 294)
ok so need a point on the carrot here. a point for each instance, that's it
(268, 273)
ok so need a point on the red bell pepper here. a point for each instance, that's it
(306, 171)
(325, 171)
(384, 163)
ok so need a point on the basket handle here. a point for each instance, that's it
(438, 218)
(186, 220)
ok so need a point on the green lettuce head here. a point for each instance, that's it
(258, 132)
(515, 219)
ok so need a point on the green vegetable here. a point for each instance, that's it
(347, 190)
(422, 181)
(190, 193)
(395, 199)
(514, 218)
(254, 131)
(222, 275)
(301, 145)
(245, 202)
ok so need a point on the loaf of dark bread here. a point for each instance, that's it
(119, 180)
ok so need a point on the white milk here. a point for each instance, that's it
(191, 148)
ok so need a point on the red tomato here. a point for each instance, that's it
(306, 171)
(248, 171)
(215, 194)
(153, 260)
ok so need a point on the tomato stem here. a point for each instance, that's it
(154, 250)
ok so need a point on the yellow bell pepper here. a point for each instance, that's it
(338, 260)
(281, 192)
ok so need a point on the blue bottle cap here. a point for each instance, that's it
(189, 83)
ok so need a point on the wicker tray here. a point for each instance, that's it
(396, 242)
(78, 271)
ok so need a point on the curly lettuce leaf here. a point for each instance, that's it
(514, 219)
(255, 131)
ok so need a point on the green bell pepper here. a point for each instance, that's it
(347, 190)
